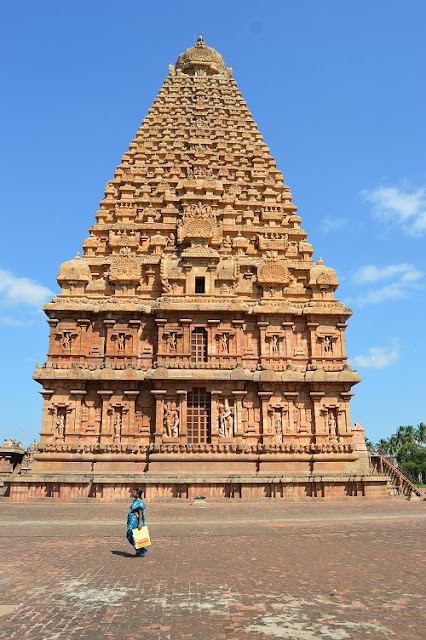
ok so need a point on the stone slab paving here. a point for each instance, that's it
(305, 571)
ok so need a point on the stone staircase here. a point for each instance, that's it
(401, 480)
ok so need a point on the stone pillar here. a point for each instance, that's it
(262, 338)
(159, 413)
(46, 422)
(186, 324)
(84, 324)
(213, 340)
(132, 395)
(214, 414)
(78, 395)
(341, 326)
(160, 341)
(238, 326)
(210, 281)
(267, 434)
(104, 427)
(287, 326)
(183, 409)
(109, 324)
(312, 326)
(344, 421)
(291, 396)
(319, 429)
(238, 409)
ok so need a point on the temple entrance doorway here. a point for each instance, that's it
(198, 417)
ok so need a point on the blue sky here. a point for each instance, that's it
(338, 91)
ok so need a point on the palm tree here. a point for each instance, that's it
(393, 445)
(421, 433)
(403, 435)
(383, 447)
(370, 446)
(410, 434)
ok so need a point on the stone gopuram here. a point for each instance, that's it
(195, 347)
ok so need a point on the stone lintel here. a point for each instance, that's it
(109, 323)
(161, 321)
(78, 392)
(105, 392)
(83, 321)
(131, 392)
(46, 392)
(52, 322)
(185, 320)
(158, 392)
(213, 322)
(317, 394)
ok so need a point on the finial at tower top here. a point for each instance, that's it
(200, 59)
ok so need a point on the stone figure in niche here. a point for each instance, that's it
(121, 341)
(332, 425)
(328, 344)
(117, 426)
(278, 431)
(171, 420)
(60, 426)
(171, 240)
(66, 341)
(172, 342)
(226, 420)
(274, 344)
(224, 343)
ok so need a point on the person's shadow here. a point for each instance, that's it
(123, 553)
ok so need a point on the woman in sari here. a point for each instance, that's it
(136, 520)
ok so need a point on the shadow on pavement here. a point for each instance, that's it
(123, 553)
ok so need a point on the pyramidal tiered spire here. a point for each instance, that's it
(198, 182)
(195, 334)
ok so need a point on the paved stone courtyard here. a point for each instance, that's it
(306, 571)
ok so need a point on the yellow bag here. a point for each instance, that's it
(141, 537)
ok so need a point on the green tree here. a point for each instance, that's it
(383, 447)
(412, 456)
(371, 447)
(421, 433)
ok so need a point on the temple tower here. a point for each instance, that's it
(195, 346)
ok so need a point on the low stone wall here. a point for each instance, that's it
(215, 488)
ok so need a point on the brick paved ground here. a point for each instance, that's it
(312, 571)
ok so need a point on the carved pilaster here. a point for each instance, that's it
(238, 409)
(183, 410)
(266, 429)
(215, 399)
(105, 432)
(159, 413)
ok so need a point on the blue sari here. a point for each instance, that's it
(132, 523)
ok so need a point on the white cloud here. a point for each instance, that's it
(378, 357)
(13, 322)
(332, 224)
(405, 279)
(16, 290)
(404, 206)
